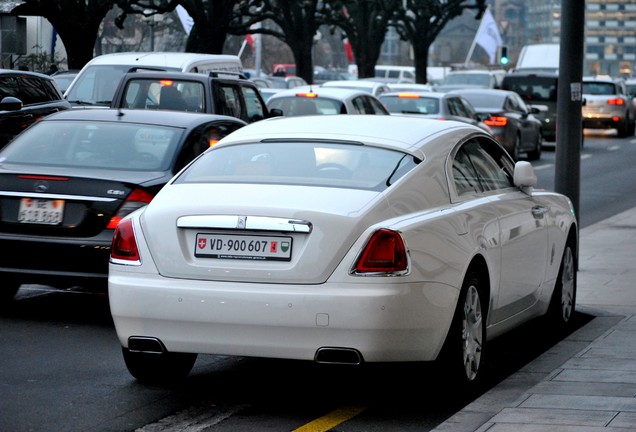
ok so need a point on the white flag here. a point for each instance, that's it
(488, 36)
(185, 18)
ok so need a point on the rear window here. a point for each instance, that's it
(486, 101)
(468, 78)
(150, 94)
(298, 105)
(411, 104)
(532, 88)
(95, 145)
(29, 89)
(600, 88)
(300, 163)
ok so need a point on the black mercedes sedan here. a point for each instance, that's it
(66, 181)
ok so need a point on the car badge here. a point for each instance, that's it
(41, 186)
(240, 223)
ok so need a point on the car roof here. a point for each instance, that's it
(167, 118)
(362, 83)
(328, 92)
(487, 91)
(21, 72)
(405, 134)
(173, 59)
(471, 71)
(531, 73)
(424, 94)
(141, 73)
(602, 78)
(410, 87)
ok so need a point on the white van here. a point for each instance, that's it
(539, 58)
(395, 74)
(95, 84)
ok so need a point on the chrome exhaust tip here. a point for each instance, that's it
(146, 344)
(338, 355)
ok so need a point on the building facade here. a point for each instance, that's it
(610, 31)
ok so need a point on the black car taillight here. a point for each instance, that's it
(137, 199)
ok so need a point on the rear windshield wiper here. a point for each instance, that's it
(81, 102)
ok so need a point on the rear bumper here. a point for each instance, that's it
(389, 322)
(603, 120)
(61, 262)
(601, 123)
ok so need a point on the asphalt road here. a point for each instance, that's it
(63, 371)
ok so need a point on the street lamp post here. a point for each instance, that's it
(152, 21)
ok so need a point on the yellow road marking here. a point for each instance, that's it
(331, 420)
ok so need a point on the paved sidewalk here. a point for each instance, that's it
(587, 382)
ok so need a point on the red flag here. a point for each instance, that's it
(250, 41)
(348, 50)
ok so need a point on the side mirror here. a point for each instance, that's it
(482, 117)
(524, 177)
(275, 112)
(10, 103)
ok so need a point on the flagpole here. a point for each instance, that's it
(472, 46)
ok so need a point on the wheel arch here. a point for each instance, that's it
(574, 238)
(479, 265)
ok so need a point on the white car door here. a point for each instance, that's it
(522, 237)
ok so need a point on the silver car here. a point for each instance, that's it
(607, 105)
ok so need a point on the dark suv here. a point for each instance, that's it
(26, 97)
(540, 91)
(217, 93)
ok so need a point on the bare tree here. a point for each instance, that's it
(296, 25)
(75, 21)
(365, 23)
(213, 19)
(420, 21)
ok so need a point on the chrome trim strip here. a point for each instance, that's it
(235, 222)
(56, 196)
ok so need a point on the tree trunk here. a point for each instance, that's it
(79, 50)
(207, 41)
(420, 52)
(302, 56)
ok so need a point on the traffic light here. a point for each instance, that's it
(503, 55)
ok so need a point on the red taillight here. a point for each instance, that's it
(616, 101)
(384, 253)
(137, 199)
(496, 121)
(42, 177)
(124, 246)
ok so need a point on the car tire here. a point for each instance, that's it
(165, 368)
(625, 128)
(8, 290)
(563, 300)
(535, 154)
(463, 355)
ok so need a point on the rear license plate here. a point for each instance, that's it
(243, 247)
(41, 211)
